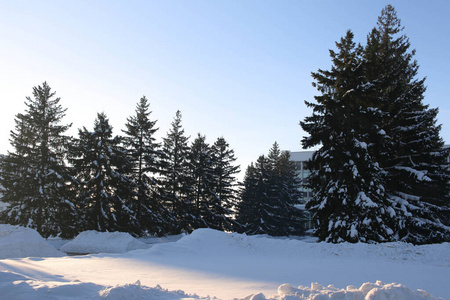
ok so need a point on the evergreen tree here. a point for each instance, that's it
(254, 210)
(248, 205)
(289, 193)
(175, 181)
(201, 174)
(348, 199)
(145, 157)
(103, 189)
(224, 183)
(269, 196)
(412, 154)
(34, 176)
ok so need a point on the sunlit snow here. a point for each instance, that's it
(209, 264)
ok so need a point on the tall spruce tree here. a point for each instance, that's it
(176, 186)
(201, 174)
(224, 183)
(34, 175)
(283, 193)
(412, 154)
(289, 193)
(269, 195)
(145, 156)
(99, 165)
(253, 209)
(348, 194)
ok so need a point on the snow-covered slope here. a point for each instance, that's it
(229, 266)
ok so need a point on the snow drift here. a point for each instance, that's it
(103, 242)
(17, 241)
(17, 286)
(367, 291)
(235, 266)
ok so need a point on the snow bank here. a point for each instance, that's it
(102, 242)
(136, 291)
(17, 242)
(20, 287)
(213, 242)
(367, 291)
(231, 266)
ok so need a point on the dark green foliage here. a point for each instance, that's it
(413, 155)
(252, 210)
(288, 184)
(176, 184)
(103, 189)
(145, 157)
(201, 175)
(224, 183)
(268, 198)
(348, 199)
(213, 183)
(113, 183)
(380, 173)
(34, 176)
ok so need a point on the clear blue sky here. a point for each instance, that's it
(237, 69)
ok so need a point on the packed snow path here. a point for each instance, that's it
(228, 266)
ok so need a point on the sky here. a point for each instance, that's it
(235, 69)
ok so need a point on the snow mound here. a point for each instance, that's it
(19, 242)
(18, 286)
(212, 242)
(102, 242)
(136, 291)
(367, 291)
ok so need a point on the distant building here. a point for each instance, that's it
(300, 158)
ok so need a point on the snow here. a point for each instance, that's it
(378, 290)
(3, 205)
(420, 175)
(103, 242)
(16, 242)
(208, 264)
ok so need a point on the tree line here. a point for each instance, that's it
(62, 185)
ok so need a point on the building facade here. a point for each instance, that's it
(300, 158)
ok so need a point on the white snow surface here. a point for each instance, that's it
(17, 242)
(102, 242)
(209, 264)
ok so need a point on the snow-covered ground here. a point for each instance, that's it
(208, 264)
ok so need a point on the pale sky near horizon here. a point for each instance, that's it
(237, 69)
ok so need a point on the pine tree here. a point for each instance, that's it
(34, 176)
(248, 205)
(201, 174)
(269, 196)
(412, 154)
(289, 193)
(175, 181)
(348, 199)
(224, 183)
(253, 209)
(103, 189)
(145, 157)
